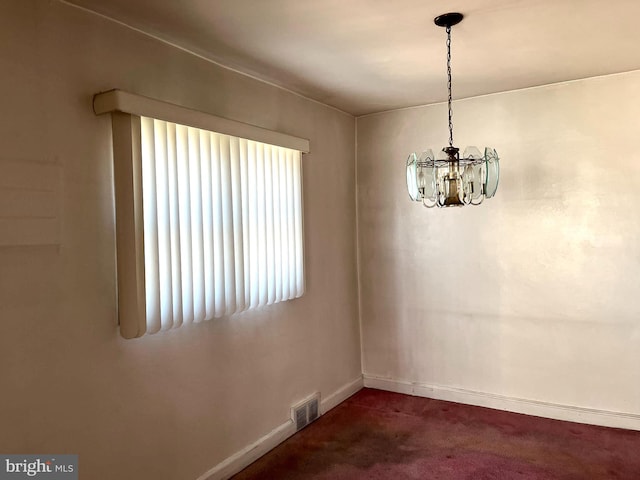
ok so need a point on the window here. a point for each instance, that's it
(208, 224)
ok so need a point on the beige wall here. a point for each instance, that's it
(532, 295)
(171, 405)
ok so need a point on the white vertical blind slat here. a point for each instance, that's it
(163, 224)
(262, 230)
(236, 209)
(174, 225)
(197, 233)
(284, 222)
(297, 203)
(228, 245)
(253, 224)
(269, 224)
(223, 224)
(184, 207)
(218, 236)
(149, 200)
(246, 225)
(277, 221)
(291, 226)
(207, 224)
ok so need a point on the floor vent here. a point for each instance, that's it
(306, 411)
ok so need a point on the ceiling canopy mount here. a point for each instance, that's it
(448, 19)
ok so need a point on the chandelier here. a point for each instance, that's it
(446, 179)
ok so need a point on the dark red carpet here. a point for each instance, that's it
(383, 435)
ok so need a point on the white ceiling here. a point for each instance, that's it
(365, 56)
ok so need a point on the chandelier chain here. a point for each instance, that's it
(449, 85)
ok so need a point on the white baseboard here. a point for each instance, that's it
(340, 395)
(569, 413)
(250, 454)
(275, 437)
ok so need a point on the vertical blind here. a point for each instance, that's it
(222, 224)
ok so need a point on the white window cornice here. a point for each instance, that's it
(121, 101)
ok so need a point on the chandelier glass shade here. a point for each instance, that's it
(446, 179)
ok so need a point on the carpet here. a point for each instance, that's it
(383, 435)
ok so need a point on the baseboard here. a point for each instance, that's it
(251, 453)
(341, 395)
(569, 413)
(275, 437)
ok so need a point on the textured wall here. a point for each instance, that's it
(534, 294)
(174, 404)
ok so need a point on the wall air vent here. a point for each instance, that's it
(312, 410)
(306, 411)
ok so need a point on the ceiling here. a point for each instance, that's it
(365, 56)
